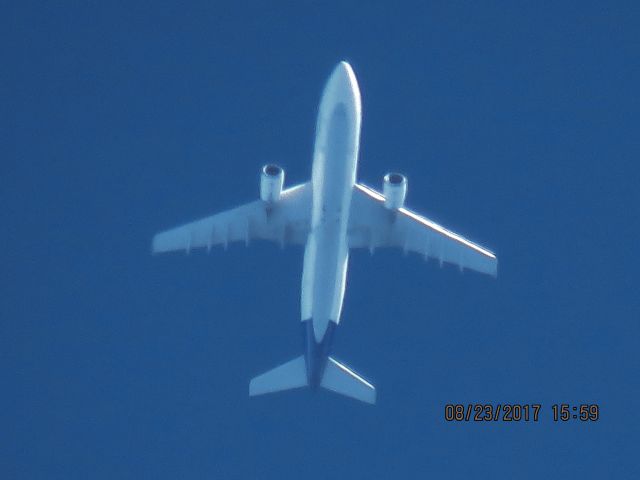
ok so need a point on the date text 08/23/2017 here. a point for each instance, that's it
(487, 412)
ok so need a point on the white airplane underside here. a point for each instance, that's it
(330, 215)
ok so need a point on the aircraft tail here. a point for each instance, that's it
(292, 374)
(337, 377)
(340, 379)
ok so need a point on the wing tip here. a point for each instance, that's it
(155, 247)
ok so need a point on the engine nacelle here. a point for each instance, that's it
(271, 183)
(394, 189)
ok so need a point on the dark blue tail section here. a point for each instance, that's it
(316, 354)
(314, 369)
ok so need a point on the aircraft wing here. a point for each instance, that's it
(286, 222)
(371, 225)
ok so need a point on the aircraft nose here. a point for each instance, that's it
(343, 68)
(342, 86)
(342, 77)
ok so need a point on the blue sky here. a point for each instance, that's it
(516, 124)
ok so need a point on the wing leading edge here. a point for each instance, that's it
(371, 225)
(285, 222)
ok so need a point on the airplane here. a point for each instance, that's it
(329, 215)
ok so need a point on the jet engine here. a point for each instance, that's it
(271, 182)
(394, 189)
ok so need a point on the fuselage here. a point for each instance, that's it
(326, 256)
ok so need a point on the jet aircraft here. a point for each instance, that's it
(329, 215)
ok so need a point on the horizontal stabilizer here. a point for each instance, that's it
(292, 374)
(344, 381)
